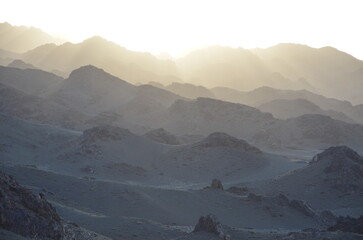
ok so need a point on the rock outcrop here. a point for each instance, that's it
(210, 224)
(348, 224)
(216, 184)
(26, 214)
(326, 217)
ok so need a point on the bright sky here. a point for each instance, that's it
(173, 26)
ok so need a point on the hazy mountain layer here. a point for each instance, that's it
(21, 39)
(283, 109)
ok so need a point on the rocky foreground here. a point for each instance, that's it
(31, 216)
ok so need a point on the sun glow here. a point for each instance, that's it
(175, 26)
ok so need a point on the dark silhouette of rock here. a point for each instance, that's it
(210, 224)
(26, 214)
(348, 224)
(216, 184)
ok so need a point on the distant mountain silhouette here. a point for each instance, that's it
(186, 90)
(229, 67)
(330, 71)
(284, 108)
(136, 67)
(264, 95)
(103, 96)
(326, 70)
(21, 65)
(31, 81)
(22, 39)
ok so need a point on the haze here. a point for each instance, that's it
(176, 26)
(181, 120)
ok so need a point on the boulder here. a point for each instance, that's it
(216, 184)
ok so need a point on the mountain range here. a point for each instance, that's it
(326, 71)
(98, 142)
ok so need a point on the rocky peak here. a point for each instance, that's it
(26, 214)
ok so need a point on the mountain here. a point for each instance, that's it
(310, 132)
(21, 65)
(204, 116)
(136, 67)
(330, 71)
(20, 39)
(31, 81)
(326, 71)
(93, 92)
(188, 90)
(314, 64)
(18, 104)
(228, 67)
(283, 109)
(263, 95)
(89, 97)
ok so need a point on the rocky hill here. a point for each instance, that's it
(336, 173)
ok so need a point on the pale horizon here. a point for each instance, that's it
(176, 27)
